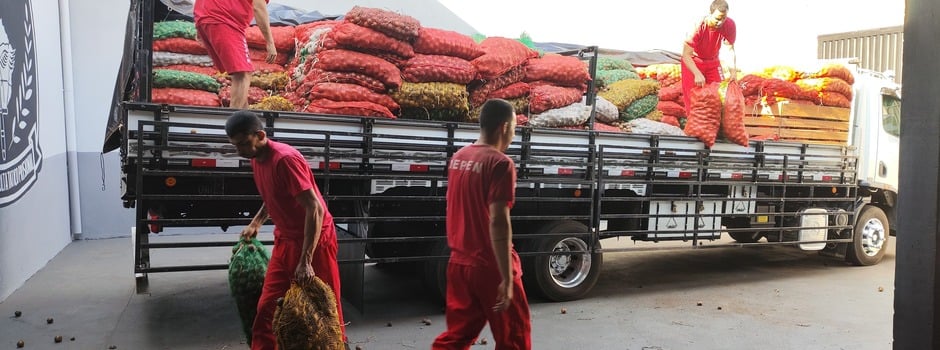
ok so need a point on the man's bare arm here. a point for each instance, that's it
(264, 23)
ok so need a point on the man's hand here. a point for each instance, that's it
(249, 232)
(272, 52)
(304, 271)
(503, 296)
(699, 79)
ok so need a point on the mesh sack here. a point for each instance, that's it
(519, 105)
(546, 97)
(161, 59)
(670, 119)
(641, 107)
(432, 96)
(186, 97)
(246, 270)
(817, 85)
(752, 85)
(606, 127)
(652, 127)
(258, 55)
(572, 115)
(671, 108)
(274, 103)
(317, 76)
(357, 108)
(270, 81)
(834, 99)
(433, 41)
(165, 78)
(351, 92)
(350, 61)
(480, 94)
(501, 55)
(446, 69)
(306, 318)
(516, 90)
(180, 45)
(449, 115)
(174, 29)
(732, 116)
(359, 38)
(781, 72)
(283, 38)
(558, 70)
(210, 71)
(607, 77)
(834, 70)
(705, 114)
(671, 93)
(395, 25)
(608, 63)
(605, 111)
(625, 92)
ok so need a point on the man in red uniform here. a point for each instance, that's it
(220, 26)
(700, 64)
(484, 276)
(304, 235)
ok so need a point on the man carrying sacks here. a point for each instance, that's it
(700, 63)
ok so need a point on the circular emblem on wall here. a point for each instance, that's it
(20, 155)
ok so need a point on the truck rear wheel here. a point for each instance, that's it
(563, 277)
(746, 237)
(870, 239)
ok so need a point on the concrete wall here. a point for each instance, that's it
(97, 36)
(34, 194)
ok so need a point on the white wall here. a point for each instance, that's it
(35, 227)
(97, 33)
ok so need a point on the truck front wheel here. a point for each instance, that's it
(563, 277)
(870, 238)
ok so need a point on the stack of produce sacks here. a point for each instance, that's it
(612, 70)
(500, 69)
(830, 85)
(634, 98)
(350, 67)
(557, 84)
(436, 78)
(671, 102)
(182, 69)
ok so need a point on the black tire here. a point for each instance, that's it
(746, 237)
(541, 271)
(435, 272)
(870, 238)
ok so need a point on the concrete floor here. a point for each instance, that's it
(770, 298)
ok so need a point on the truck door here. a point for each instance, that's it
(888, 139)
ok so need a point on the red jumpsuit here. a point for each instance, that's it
(279, 178)
(478, 176)
(706, 44)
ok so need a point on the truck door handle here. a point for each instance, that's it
(882, 169)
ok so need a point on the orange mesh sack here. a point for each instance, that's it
(705, 114)
(732, 122)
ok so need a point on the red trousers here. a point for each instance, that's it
(471, 294)
(711, 69)
(281, 269)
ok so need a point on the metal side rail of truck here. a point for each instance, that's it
(385, 183)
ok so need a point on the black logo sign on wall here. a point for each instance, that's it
(20, 155)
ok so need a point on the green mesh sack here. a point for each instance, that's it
(607, 77)
(641, 107)
(174, 29)
(447, 115)
(433, 96)
(246, 272)
(608, 63)
(168, 78)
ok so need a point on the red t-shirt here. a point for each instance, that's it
(706, 42)
(478, 175)
(236, 13)
(280, 178)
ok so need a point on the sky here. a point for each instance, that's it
(769, 33)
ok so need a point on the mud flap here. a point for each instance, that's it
(352, 274)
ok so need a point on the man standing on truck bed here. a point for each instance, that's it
(700, 64)
(220, 26)
(484, 278)
(304, 235)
